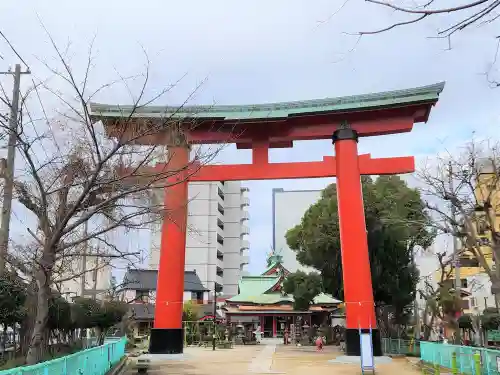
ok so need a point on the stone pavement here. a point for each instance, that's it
(269, 359)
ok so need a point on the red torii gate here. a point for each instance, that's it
(261, 127)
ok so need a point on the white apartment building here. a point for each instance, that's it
(479, 287)
(95, 278)
(217, 243)
(288, 209)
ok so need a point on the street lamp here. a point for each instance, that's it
(216, 294)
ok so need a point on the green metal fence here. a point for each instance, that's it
(461, 359)
(400, 346)
(95, 361)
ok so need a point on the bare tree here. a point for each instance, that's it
(475, 171)
(440, 298)
(474, 12)
(78, 185)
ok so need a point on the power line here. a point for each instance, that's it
(14, 50)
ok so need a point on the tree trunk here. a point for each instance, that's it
(428, 328)
(39, 335)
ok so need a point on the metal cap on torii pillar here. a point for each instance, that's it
(344, 133)
(358, 291)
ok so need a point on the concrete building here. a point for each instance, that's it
(96, 280)
(139, 286)
(139, 291)
(217, 243)
(288, 208)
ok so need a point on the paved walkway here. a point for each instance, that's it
(269, 359)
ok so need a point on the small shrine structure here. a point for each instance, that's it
(262, 302)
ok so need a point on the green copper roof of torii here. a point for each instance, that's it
(277, 110)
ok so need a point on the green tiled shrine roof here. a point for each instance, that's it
(277, 110)
(255, 289)
(252, 287)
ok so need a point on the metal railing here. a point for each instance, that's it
(95, 361)
(400, 346)
(461, 359)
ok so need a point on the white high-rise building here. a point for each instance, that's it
(94, 278)
(217, 243)
(288, 209)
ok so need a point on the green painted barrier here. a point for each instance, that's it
(400, 346)
(461, 359)
(95, 361)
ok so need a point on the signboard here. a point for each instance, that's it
(367, 362)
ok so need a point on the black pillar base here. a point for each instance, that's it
(353, 346)
(166, 341)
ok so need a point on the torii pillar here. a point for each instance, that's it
(356, 273)
(167, 335)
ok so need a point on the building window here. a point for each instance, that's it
(220, 193)
(220, 223)
(482, 226)
(469, 262)
(197, 297)
(465, 304)
(473, 302)
(220, 209)
(142, 296)
(463, 283)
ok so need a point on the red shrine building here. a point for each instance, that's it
(262, 302)
(261, 127)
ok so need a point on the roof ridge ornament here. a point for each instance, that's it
(344, 125)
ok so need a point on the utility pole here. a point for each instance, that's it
(456, 245)
(8, 172)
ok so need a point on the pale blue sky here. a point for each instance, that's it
(266, 51)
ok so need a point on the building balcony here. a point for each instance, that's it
(220, 208)
(219, 283)
(220, 250)
(220, 223)
(220, 231)
(245, 259)
(245, 215)
(245, 244)
(245, 229)
(245, 201)
(220, 193)
(220, 236)
(219, 264)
